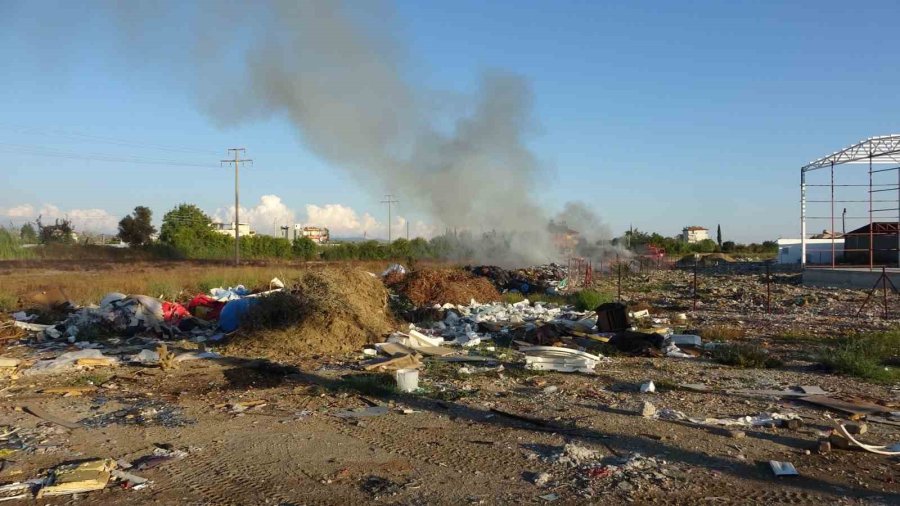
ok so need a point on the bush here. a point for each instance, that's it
(745, 356)
(11, 247)
(586, 300)
(865, 356)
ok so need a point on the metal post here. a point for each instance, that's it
(695, 285)
(832, 215)
(619, 283)
(802, 218)
(237, 203)
(871, 228)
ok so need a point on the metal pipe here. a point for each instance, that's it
(803, 218)
(871, 229)
(832, 215)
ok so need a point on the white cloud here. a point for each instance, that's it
(83, 220)
(341, 220)
(263, 217)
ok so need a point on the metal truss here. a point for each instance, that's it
(883, 149)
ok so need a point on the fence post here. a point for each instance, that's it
(695, 286)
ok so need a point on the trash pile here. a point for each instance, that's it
(427, 287)
(548, 278)
(330, 310)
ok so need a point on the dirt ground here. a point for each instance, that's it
(294, 450)
(449, 443)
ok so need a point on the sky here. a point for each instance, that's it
(656, 115)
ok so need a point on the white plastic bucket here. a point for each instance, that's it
(407, 379)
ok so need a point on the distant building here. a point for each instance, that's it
(827, 235)
(564, 238)
(694, 234)
(228, 229)
(883, 235)
(319, 235)
(818, 251)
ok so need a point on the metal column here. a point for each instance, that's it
(871, 228)
(802, 218)
(832, 215)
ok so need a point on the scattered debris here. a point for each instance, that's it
(78, 478)
(366, 412)
(893, 450)
(556, 358)
(648, 387)
(647, 410)
(783, 468)
(44, 415)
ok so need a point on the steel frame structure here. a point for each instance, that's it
(872, 151)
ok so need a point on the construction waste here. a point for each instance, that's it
(548, 278)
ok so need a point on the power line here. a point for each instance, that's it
(41, 151)
(101, 139)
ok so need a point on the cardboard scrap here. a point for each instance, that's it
(9, 362)
(392, 364)
(96, 362)
(69, 391)
(81, 477)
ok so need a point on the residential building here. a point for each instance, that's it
(319, 235)
(694, 234)
(228, 229)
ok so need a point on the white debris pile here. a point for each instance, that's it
(761, 419)
(573, 455)
(556, 358)
(461, 323)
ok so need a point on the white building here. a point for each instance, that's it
(319, 235)
(818, 251)
(694, 234)
(228, 229)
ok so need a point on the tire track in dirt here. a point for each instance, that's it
(438, 446)
(215, 476)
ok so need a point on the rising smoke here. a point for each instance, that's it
(342, 79)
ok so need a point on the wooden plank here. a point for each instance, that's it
(40, 413)
(853, 407)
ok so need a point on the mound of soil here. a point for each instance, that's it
(334, 310)
(439, 286)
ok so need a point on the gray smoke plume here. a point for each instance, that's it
(337, 73)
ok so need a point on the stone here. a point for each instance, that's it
(647, 409)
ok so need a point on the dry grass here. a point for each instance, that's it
(722, 332)
(439, 286)
(88, 282)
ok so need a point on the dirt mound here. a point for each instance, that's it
(439, 286)
(330, 310)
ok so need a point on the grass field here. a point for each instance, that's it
(87, 282)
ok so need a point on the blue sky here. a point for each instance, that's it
(656, 114)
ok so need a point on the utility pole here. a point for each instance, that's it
(237, 160)
(389, 200)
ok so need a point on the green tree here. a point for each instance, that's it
(719, 235)
(136, 228)
(728, 246)
(28, 234)
(304, 248)
(187, 230)
(60, 232)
